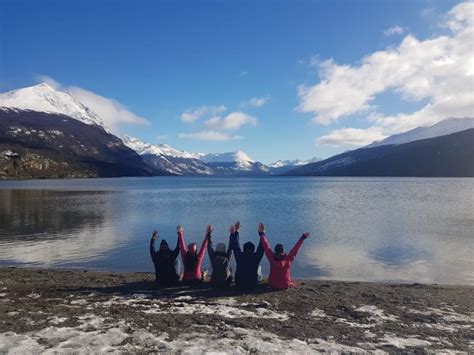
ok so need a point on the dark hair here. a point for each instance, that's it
(249, 246)
(190, 261)
(279, 249)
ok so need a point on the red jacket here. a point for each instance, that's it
(196, 274)
(280, 277)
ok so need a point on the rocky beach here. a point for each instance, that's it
(79, 311)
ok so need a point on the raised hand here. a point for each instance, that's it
(237, 226)
(209, 229)
(261, 228)
(154, 235)
(305, 235)
(180, 229)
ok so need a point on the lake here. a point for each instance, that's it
(367, 229)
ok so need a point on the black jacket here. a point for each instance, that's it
(220, 261)
(246, 275)
(165, 264)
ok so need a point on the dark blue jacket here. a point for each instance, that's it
(246, 275)
(165, 264)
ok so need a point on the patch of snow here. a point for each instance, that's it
(369, 334)
(94, 335)
(3, 294)
(295, 162)
(318, 313)
(80, 302)
(183, 298)
(57, 320)
(34, 295)
(217, 309)
(402, 343)
(446, 313)
(157, 149)
(378, 315)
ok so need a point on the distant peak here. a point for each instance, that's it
(43, 85)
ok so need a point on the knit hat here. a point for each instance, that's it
(220, 248)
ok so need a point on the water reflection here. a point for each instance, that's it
(45, 227)
(372, 229)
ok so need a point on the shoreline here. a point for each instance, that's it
(95, 311)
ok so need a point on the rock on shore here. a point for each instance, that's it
(78, 311)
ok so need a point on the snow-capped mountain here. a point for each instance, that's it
(44, 98)
(282, 166)
(164, 149)
(442, 128)
(167, 158)
(241, 160)
(38, 144)
(179, 162)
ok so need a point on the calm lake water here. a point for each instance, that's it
(371, 229)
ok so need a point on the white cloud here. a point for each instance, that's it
(50, 81)
(395, 30)
(243, 73)
(438, 70)
(258, 101)
(208, 136)
(112, 112)
(162, 137)
(192, 115)
(351, 137)
(233, 121)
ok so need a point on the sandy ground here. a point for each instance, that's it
(52, 311)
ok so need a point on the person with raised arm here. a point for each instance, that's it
(164, 261)
(248, 272)
(280, 262)
(220, 260)
(192, 260)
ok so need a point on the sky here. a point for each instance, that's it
(277, 79)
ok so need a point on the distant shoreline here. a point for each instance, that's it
(88, 307)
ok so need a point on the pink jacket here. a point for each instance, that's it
(196, 274)
(280, 276)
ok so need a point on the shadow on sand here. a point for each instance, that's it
(153, 290)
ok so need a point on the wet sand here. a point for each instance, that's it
(84, 311)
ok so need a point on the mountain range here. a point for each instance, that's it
(49, 133)
(440, 156)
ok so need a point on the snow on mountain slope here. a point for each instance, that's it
(164, 149)
(296, 162)
(44, 98)
(239, 158)
(442, 128)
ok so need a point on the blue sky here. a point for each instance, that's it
(161, 59)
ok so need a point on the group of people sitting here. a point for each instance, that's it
(247, 275)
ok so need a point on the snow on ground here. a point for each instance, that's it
(225, 307)
(90, 332)
(94, 334)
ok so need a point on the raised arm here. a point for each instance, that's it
(259, 252)
(210, 249)
(229, 249)
(292, 254)
(175, 252)
(205, 242)
(182, 244)
(264, 242)
(153, 251)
